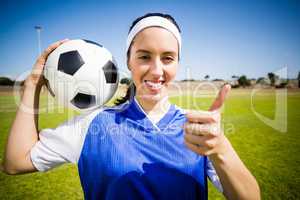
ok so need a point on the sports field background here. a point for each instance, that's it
(272, 157)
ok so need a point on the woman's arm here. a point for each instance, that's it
(24, 131)
(236, 179)
(23, 134)
(204, 136)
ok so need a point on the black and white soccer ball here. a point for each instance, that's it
(81, 74)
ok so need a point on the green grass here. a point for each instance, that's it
(272, 156)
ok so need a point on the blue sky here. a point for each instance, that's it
(220, 38)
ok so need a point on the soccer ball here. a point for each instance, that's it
(81, 74)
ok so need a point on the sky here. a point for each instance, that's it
(220, 38)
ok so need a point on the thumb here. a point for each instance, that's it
(220, 99)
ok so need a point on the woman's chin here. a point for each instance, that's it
(153, 96)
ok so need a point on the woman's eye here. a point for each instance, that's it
(168, 59)
(144, 57)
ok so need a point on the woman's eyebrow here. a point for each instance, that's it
(149, 52)
(170, 52)
(142, 51)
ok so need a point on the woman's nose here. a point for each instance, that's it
(157, 68)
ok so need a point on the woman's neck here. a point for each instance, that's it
(154, 109)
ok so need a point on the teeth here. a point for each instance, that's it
(154, 85)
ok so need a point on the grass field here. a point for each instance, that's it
(273, 157)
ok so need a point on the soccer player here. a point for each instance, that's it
(144, 148)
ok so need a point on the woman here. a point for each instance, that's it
(139, 149)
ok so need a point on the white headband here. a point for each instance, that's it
(153, 21)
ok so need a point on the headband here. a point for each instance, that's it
(150, 22)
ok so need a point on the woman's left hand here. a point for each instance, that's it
(204, 136)
(203, 133)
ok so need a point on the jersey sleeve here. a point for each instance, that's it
(62, 144)
(213, 176)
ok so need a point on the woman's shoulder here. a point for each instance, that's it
(107, 112)
(97, 112)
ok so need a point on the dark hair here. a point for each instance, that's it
(129, 94)
(167, 16)
(131, 88)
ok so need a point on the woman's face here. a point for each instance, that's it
(153, 62)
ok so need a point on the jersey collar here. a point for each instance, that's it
(137, 115)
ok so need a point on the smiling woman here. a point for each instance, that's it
(153, 65)
(145, 148)
(153, 62)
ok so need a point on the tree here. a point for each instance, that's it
(272, 78)
(283, 84)
(6, 81)
(260, 80)
(299, 79)
(218, 79)
(243, 81)
(206, 77)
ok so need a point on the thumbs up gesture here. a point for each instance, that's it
(203, 133)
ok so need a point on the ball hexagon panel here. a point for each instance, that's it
(110, 72)
(83, 101)
(70, 62)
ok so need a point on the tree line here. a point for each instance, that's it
(271, 79)
(238, 81)
(5, 81)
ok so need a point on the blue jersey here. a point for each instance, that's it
(124, 155)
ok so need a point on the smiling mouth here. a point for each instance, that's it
(154, 85)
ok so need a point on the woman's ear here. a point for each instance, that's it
(128, 66)
(128, 54)
(128, 58)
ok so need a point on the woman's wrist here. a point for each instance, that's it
(224, 151)
(30, 96)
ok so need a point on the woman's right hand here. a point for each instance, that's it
(24, 131)
(36, 79)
